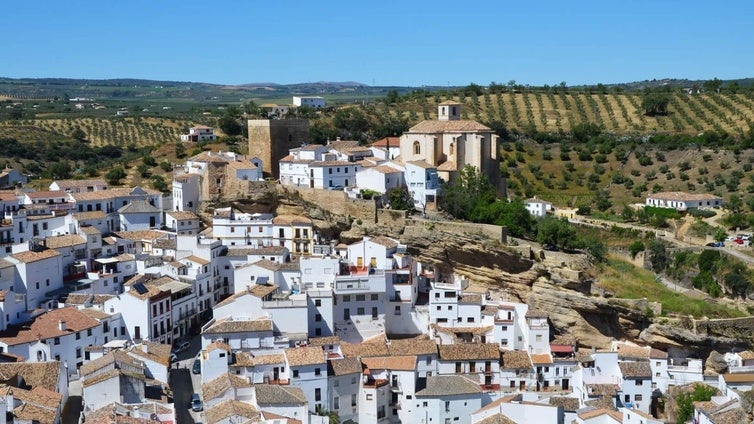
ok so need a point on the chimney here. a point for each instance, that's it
(61, 325)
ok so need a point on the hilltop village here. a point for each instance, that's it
(125, 305)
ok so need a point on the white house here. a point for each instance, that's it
(308, 368)
(316, 102)
(199, 133)
(79, 186)
(537, 207)
(381, 178)
(682, 201)
(186, 189)
(423, 183)
(446, 398)
(139, 215)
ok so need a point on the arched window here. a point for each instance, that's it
(417, 148)
(443, 111)
(451, 150)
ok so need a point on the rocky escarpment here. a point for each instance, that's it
(555, 285)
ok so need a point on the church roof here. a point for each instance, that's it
(462, 125)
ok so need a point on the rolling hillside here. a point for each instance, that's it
(548, 111)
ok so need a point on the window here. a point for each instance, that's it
(78, 336)
(369, 396)
(317, 394)
(317, 302)
(538, 337)
(447, 406)
(417, 148)
(638, 398)
(295, 373)
(470, 319)
(353, 400)
(360, 298)
(397, 310)
(317, 371)
(57, 340)
(336, 383)
(78, 352)
(424, 404)
(347, 298)
(639, 382)
(318, 318)
(359, 311)
(627, 398)
(336, 403)
(373, 297)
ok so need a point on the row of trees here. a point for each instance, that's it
(471, 197)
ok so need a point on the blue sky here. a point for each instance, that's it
(382, 42)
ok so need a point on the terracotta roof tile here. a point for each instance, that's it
(230, 409)
(635, 369)
(217, 387)
(231, 325)
(398, 363)
(30, 256)
(35, 374)
(417, 346)
(516, 359)
(448, 385)
(46, 326)
(344, 366)
(67, 240)
(268, 394)
(469, 351)
(305, 355)
(461, 125)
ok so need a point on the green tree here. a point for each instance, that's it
(595, 247)
(720, 234)
(321, 131)
(400, 199)
(712, 85)
(115, 175)
(148, 160)
(392, 97)
(636, 247)
(143, 170)
(58, 171)
(557, 232)
(158, 183)
(331, 415)
(251, 108)
(229, 125)
(78, 134)
(180, 150)
(166, 166)
(655, 103)
(735, 203)
(658, 256)
(685, 400)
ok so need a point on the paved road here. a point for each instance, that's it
(74, 406)
(184, 384)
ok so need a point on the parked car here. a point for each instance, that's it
(715, 244)
(738, 241)
(196, 403)
(197, 367)
(173, 358)
(181, 347)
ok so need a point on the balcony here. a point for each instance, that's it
(7, 240)
(395, 387)
(351, 285)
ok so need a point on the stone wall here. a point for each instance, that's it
(338, 203)
(495, 232)
(271, 139)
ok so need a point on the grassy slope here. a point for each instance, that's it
(627, 281)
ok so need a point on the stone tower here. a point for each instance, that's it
(271, 139)
(449, 111)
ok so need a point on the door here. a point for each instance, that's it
(564, 383)
(276, 373)
(374, 312)
(522, 385)
(360, 262)
(137, 332)
(346, 314)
